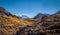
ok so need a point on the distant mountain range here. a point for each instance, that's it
(23, 17)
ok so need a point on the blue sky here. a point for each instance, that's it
(30, 7)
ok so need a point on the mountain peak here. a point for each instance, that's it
(23, 17)
(3, 11)
(39, 15)
(2, 8)
(58, 12)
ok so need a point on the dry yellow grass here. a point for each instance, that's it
(24, 22)
(9, 25)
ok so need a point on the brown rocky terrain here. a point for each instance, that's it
(47, 25)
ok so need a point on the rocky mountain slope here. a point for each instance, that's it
(10, 23)
(47, 25)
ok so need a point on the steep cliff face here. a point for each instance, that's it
(48, 25)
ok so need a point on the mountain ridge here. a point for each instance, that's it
(39, 16)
